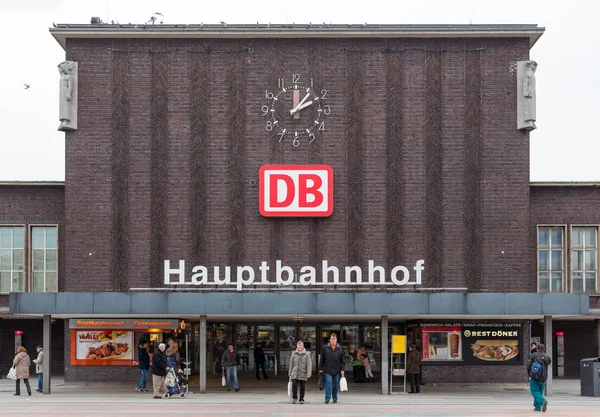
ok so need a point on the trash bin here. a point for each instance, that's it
(589, 376)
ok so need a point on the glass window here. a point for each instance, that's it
(12, 265)
(584, 259)
(550, 259)
(44, 241)
(442, 345)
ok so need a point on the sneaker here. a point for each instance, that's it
(156, 397)
(326, 401)
(138, 389)
(237, 389)
(144, 389)
(293, 401)
(301, 401)
(334, 401)
(544, 406)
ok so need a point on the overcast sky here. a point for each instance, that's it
(565, 147)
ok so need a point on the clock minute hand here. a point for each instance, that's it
(295, 109)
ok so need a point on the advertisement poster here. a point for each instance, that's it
(102, 347)
(492, 344)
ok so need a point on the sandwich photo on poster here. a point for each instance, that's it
(491, 344)
(104, 347)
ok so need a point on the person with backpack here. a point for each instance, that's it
(537, 369)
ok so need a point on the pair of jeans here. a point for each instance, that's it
(142, 383)
(332, 382)
(232, 372)
(295, 384)
(18, 386)
(40, 382)
(537, 391)
(415, 383)
(261, 365)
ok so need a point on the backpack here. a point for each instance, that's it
(537, 369)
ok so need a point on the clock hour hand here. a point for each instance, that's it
(298, 107)
(308, 103)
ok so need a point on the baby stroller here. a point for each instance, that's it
(176, 383)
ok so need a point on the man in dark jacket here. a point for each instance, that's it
(229, 363)
(159, 371)
(537, 380)
(259, 361)
(413, 362)
(143, 365)
(332, 365)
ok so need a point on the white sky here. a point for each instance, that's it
(565, 147)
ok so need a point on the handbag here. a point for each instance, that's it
(321, 382)
(12, 374)
(343, 384)
(223, 380)
(290, 389)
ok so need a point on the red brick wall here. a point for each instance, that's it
(444, 142)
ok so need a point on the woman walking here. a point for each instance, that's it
(22, 362)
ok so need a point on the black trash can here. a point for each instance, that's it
(589, 376)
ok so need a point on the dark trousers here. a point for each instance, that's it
(261, 364)
(18, 386)
(295, 384)
(415, 382)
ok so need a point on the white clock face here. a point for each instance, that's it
(296, 112)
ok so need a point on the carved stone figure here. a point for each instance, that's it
(526, 95)
(67, 112)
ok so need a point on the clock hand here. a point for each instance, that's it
(308, 103)
(295, 109)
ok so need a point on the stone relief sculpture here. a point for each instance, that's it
(526, 95)
(67, 112)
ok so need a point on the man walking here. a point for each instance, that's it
(332, 365)
(39, 368)
(300, 370)
(159, 371)
(537, 369)
(259, 361)
(229, 363)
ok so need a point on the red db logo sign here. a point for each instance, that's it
(296, 190)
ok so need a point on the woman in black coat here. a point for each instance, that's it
(144, 365)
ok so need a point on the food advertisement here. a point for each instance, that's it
(492, 344)
(102, 347)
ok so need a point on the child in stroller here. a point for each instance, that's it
(176, 383)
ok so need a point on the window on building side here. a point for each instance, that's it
(44, 259)
(12, 249)
(550, 259)
(584, 267)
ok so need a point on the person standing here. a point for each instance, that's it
(537, 369)
(413, 363)
(22, 362)
(172, 353)
(332, 365)
(299, 371)
(143, 365)
(259, 361)
(159, 371)
(368, 370)
(229, 363)
(39, 369)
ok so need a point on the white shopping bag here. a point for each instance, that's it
(343, 384)
(223, 381)
(12, 374)
(290, 389)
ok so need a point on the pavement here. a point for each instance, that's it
(269, 398)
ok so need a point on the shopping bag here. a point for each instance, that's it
(290, 389)
(321, 382)
(223, 380)
(170, 379)
(12, 374)
(343, 384)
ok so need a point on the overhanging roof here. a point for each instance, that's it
(62, 32)
(279, 304)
